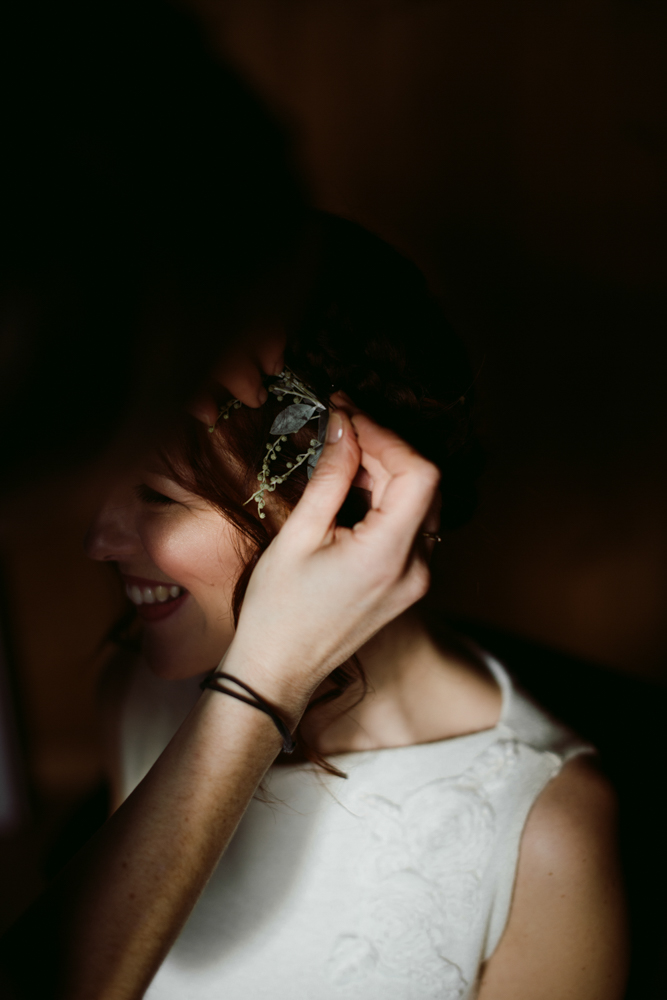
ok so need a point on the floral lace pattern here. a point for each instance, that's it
(420, 870)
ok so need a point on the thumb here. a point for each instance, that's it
(324, 495)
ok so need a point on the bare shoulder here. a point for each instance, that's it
(566, 935)
(576, 813)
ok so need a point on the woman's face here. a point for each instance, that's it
(179, 560)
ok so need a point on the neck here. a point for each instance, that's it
(419, 690)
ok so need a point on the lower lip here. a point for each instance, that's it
(157, 612)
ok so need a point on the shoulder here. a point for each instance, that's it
(576, 811)
(567, 921)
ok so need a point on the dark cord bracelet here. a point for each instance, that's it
(213, 681)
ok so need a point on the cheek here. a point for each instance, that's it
(196, 551)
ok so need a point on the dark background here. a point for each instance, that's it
(517, 152)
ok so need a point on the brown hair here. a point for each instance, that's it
(372, 329)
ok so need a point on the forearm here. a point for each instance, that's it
(114, 912)
(317, 594)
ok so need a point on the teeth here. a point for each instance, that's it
(149, 595)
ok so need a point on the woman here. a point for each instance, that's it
(470, 850)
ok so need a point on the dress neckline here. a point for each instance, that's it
(502, 679)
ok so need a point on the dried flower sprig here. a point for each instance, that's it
(233, 404)
(288, 384)
(268, 482)
(306, 407)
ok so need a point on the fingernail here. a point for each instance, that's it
(262, 395)
(334, 428)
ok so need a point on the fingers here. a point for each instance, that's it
(364, 478)
(204, 408)
(431, 522)
(411, 483)
(430, 525)
(242, 378)
(341, 400)
(404, 484)
(242, 372)
(323, 497)
(269, 349)
(261, 353)
(241, 375)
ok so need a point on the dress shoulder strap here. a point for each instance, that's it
(541, 747)
(529, 722)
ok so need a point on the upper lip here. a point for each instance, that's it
(142, 581)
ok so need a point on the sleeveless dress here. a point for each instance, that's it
(394, 884)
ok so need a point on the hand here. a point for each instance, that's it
(241, 371)
(320, 591)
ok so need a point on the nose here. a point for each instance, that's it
(113, 535)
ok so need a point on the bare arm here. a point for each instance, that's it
(566, 938)
(318, 593)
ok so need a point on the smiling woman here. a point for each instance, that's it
(167, 529)
(179, 561)
(470, 852)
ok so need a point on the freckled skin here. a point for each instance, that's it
(188, 543)
(566, 935)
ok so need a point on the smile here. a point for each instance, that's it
(154, 600)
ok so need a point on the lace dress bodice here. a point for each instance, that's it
(394, 884)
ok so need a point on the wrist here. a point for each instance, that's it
(271, 682)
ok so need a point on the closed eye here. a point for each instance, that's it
(148, 495)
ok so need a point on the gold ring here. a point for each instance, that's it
(432, 536)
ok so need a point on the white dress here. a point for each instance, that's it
(394, 884)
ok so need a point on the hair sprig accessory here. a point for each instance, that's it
(233, 404)
(304, 408)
